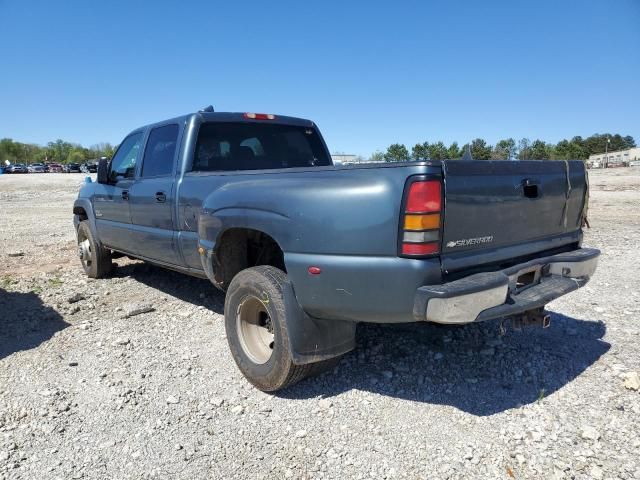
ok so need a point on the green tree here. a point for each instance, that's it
(397, 153)
(570, 150)
(420, 151)
(454, 152)
(437, 151)
(59, 150)
(480, 150)
(539, 150)
(377, 157)
(106, 150)
(524, 149)
(629, 142)
(504, 150)
(76, 156)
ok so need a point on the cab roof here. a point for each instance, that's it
(235, 117)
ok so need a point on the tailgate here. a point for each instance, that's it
(506, 209)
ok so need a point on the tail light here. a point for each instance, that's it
(421, 218)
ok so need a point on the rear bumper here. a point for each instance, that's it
(485, 296)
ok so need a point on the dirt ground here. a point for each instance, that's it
(87, 392)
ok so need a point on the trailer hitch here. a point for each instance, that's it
(532, 318)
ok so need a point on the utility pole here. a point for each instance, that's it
(606, 151)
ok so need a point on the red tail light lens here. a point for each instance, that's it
(420, 234)
(419, 248)
(424, 197)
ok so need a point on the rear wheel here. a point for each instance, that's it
(255, 322)
(96, 260)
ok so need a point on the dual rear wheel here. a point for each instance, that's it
(255, 322)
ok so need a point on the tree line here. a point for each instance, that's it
(56, 152)
(577, 148)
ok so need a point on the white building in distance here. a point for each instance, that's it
(621, 157)
(341, 158)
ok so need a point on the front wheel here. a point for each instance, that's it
(255, 322)
(96, 261)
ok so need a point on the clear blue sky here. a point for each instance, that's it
(369, 73)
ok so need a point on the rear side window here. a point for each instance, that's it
(160, 152)
(257, 146)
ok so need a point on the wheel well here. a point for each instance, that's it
(82, 214)
(241, 248)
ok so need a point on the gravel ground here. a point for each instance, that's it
(89, 391)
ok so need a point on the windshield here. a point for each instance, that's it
(256, 146)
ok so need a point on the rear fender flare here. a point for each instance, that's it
(213, 224)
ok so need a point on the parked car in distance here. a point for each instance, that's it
(72, 168)
(89, 167)
(18, 168)
(36, 168)
(306, 249)
(55, 168)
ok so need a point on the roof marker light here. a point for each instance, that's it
(259, 116)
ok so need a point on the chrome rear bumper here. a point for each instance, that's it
(517, 289)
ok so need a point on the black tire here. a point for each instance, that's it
(262, 288)
(96, 260)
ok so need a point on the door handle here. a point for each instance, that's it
(125, 194)
(161, 197)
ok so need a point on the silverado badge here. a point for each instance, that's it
(470, 241)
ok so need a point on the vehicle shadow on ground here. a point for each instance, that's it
(25, 322)
(193, 290)
(472, 367)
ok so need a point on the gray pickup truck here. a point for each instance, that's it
(306, 249)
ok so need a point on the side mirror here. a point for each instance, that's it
(103, 171)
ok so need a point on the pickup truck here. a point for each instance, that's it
(306, 250)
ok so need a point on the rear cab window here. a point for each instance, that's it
(223, 146)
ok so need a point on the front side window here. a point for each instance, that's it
(160, 151)
(123, 164)
(256, 146)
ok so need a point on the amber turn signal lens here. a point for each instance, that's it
(421, 222)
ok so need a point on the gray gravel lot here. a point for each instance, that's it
(88, 391)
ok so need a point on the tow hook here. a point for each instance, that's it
(532, 318)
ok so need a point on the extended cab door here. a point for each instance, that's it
(152, 195)
(111, 201)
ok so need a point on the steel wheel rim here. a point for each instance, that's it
(255, 329)
(84, 252)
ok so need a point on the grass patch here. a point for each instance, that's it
(6, 281)
(55, 282)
